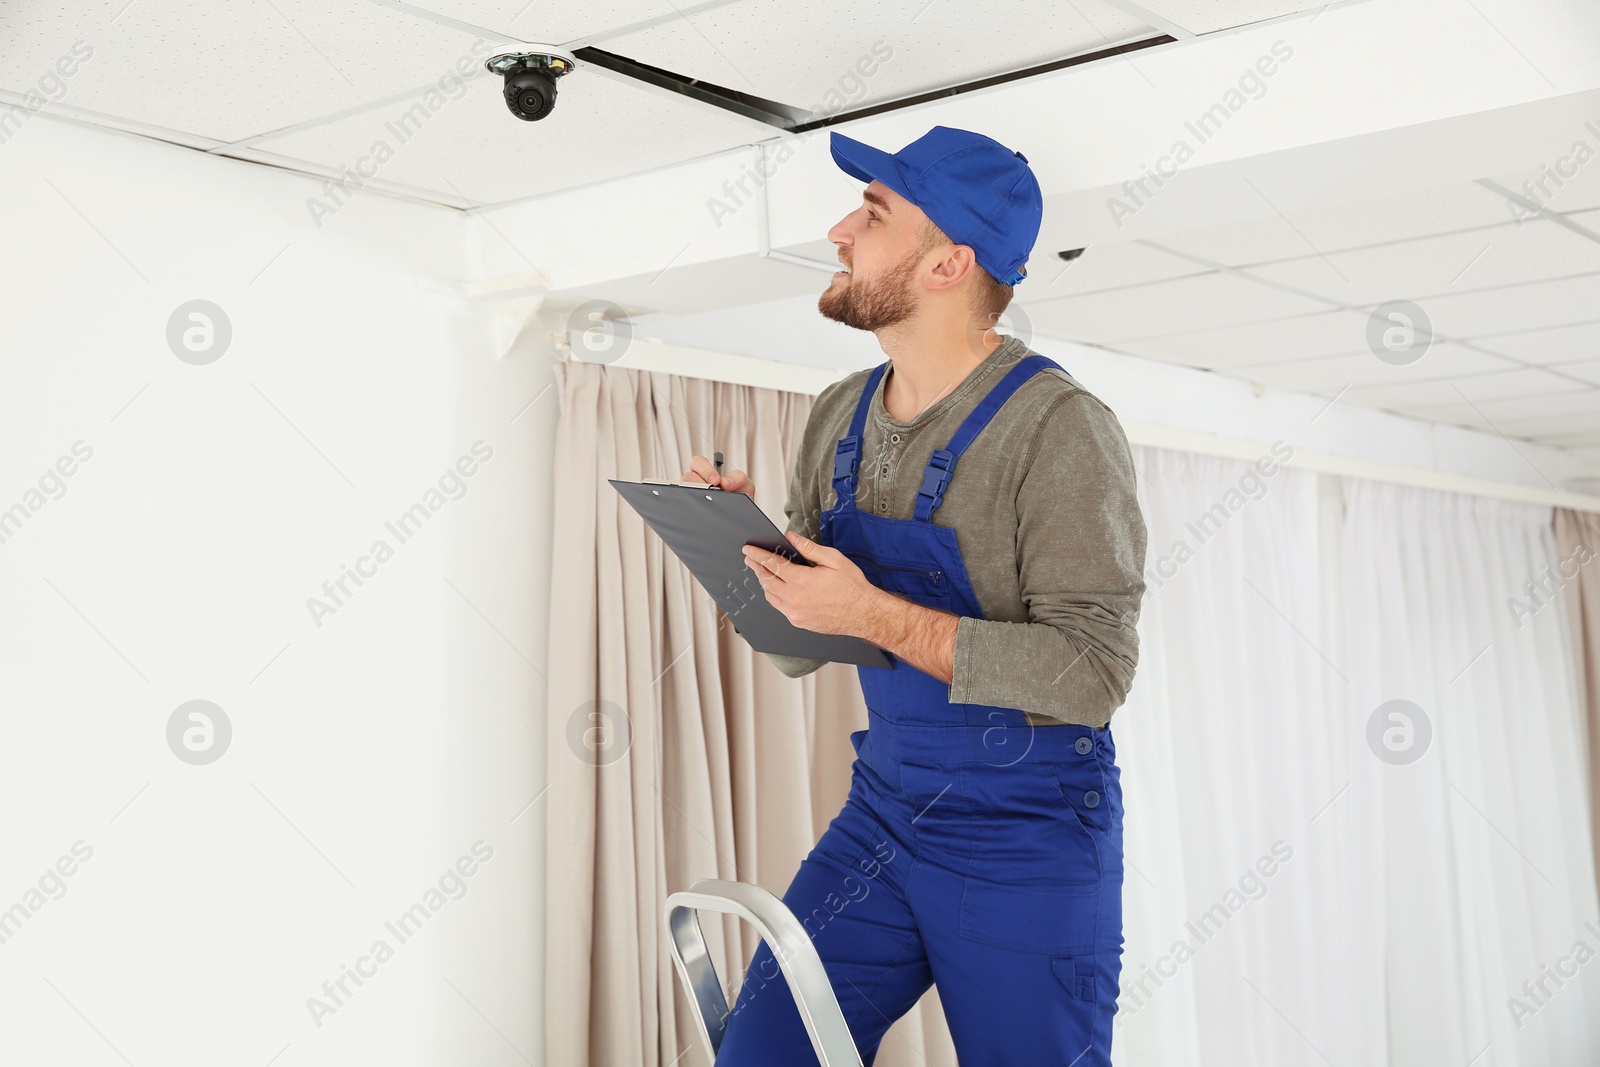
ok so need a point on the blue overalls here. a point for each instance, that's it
(975, 851)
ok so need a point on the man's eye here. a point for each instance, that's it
(872, 215)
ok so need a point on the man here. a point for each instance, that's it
(980, 848)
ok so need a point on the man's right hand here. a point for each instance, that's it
(702, 469)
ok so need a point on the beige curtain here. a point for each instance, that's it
(1578, 542)
(675, 751)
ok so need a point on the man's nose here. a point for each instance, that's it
(841, 233)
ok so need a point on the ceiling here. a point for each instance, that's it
(311, 85)
(1284, 300)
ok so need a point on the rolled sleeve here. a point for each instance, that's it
(1081, 541)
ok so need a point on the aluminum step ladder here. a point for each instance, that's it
(790, 944)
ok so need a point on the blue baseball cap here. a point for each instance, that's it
(975, 189)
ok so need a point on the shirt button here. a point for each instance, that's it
(885, 469)
(1091, 799)
(1083, 745)
(895, 438)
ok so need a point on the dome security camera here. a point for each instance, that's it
(531, 80)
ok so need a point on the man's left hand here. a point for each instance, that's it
(833, 597)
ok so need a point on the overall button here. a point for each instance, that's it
(1083, 745)
(1091, 799)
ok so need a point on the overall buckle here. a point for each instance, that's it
(937, 475)
(847, 458)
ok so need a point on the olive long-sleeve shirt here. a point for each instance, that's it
(1046, 518)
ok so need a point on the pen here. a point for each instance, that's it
(716, 461)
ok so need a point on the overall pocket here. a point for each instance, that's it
(1034, 881)
(924, 584)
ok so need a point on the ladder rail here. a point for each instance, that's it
(791, 946)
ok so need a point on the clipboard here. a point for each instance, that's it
(707, 528)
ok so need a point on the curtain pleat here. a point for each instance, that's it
(1577, 571)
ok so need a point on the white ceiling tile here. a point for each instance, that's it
(1238, 244)
(1416, 213)
(1207, 16)
(228, 70)
(1486, 390)
(1521, 416)
(1545, 185)
(1582, 439)
(1494, 390)
(553, 21)
(1577, 400)
(1108, 266)
(1443, 360)
(1585, 372)
(1459, 413)
(1517, 307)
(924, 46)
(1589, 220)
(1180, 305)
(477, 146)
(1537, 427)
(1458, 262)
(1424, 396)
(1301, 336)
(1561, 344)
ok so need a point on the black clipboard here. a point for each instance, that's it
(707, 528)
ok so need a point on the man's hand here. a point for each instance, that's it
(702, 469)
(833, 597)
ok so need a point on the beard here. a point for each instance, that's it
(873, 304)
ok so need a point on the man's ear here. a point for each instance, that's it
(953, 266)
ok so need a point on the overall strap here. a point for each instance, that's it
(847, 454)
(937, 474)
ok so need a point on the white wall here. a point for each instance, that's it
(175, 563)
